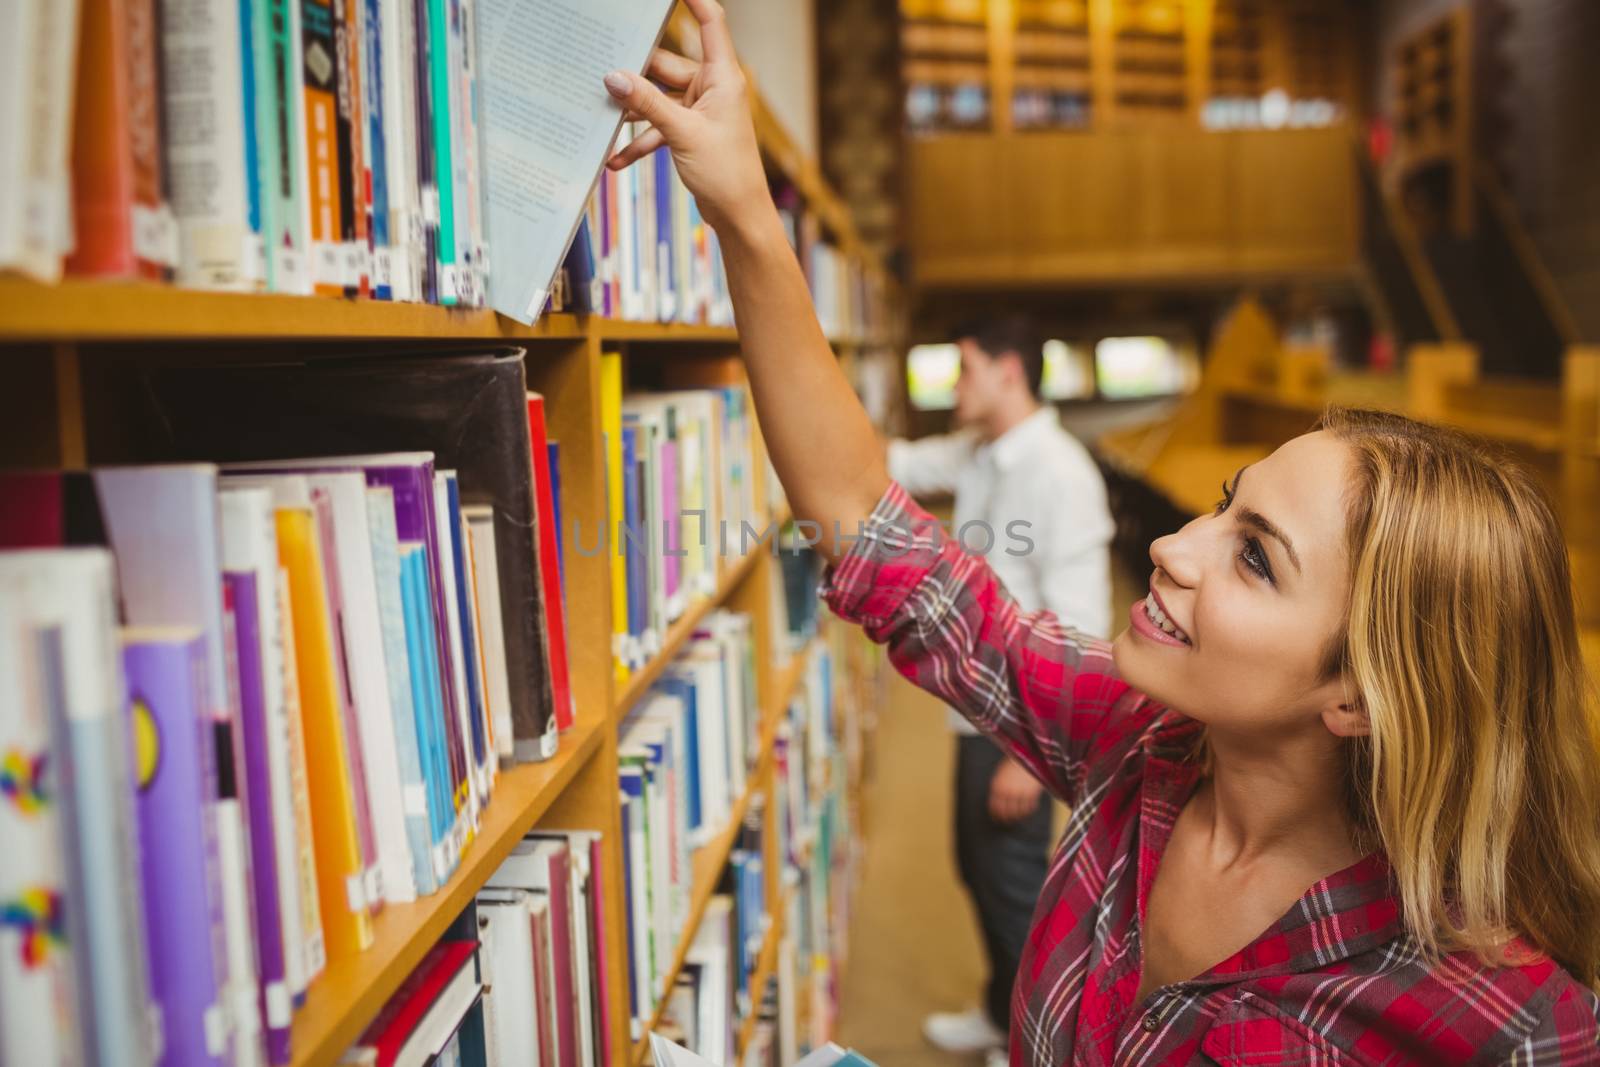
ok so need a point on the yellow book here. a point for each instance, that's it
(346, 922)
(611, 426)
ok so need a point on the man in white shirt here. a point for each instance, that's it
(1031, 500)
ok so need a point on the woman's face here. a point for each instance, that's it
(1254, 593)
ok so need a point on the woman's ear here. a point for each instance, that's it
(1347, 719)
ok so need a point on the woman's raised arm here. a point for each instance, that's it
(822, 444)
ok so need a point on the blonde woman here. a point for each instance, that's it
(1335, 798)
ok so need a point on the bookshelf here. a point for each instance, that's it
(64, 344)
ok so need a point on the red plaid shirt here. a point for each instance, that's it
(1337, 980)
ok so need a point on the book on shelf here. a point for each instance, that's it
(424, 1019)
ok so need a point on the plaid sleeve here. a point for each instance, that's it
(1049, 695)
(1567, 1035)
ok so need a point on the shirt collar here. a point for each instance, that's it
(1019, 442)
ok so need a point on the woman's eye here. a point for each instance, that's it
(1253, 557)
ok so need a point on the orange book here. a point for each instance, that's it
(321, 82)
(122, 227)
(346, 920)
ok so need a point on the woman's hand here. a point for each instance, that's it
(708, 129)
(1013, 793)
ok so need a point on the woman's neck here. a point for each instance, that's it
(1286, 798)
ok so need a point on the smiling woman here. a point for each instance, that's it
(1333, 792)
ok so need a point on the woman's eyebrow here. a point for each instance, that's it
(1250, 517)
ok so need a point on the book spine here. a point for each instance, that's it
(324, 185)
(340, 867)
(46, 234)
(427, 176)
(439, 30)
(275, 1005)
(375, 98)
(283, 170)
(427, 691)
(349, 710)
(549, 565)
(476, 248)
(203, 91)
(155, 230)
(253, 94)
(177, 782)
(466, 621)
(102, 150)
(459, 711)
(392, 617)
(598, 947)
(303, 861)
(666, 259)
(397, 33)
(43, 1014)
(352, 174)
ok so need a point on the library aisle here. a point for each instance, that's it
(913, 943)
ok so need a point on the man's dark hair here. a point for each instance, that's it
(1008, 334)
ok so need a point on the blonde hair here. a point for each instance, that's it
(1480, 781)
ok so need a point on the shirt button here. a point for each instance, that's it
(1150, 1022)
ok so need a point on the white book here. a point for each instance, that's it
(626, 239)
(47, 195)
(398, 27)
(510, 1006)
(19, 22)
(788, 1026)
(578, 844)
(638, 900)
(712, 951)
(39, 1010)
(72, 591)
(203, 108)
(480, 521)
(547, 122)
(369, 678)
(250, 544)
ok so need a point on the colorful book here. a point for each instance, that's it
(550, 564)
(175, 782)
(375, 100)
(282, 171)
(442, 115)
(350, 135)
(428, 702)
(67, 599)
(544, 866)
(320, 62)
(465, 711)
(616, 515)
(314, 945)
(475, 420)
(397, 46)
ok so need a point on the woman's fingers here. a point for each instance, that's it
(715, 40)
(671, 69)
(637, 149)
(639, 96)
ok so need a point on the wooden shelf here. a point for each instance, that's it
(87, 310)
(350, 992)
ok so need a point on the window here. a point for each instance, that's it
(1130, 367)
(1068, 372)
(931, 373)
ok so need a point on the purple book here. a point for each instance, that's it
(175, 782)
(410, 476)
(352, 722)
(275, 1001)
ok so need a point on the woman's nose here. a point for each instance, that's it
(1175, 555)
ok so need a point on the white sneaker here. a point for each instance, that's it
(963, 1031)
(997, 1057)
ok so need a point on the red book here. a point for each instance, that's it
(404, 1016)
(555, 617)
(49, 509)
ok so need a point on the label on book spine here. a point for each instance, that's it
(155, 234)
(382, 269)
(355, 894)
(327, 266)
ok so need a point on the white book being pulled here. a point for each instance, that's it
(665, 1053)
(546, 125)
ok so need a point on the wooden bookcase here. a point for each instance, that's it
(60, 344)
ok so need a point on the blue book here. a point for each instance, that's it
(583, 290)
(666, 261)
(252, 142)
(428, 705)
(469, 623)
(633, 533)
(373, 150)
(392, 612)
(554, 448)
(636, 880)
(684, 691)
